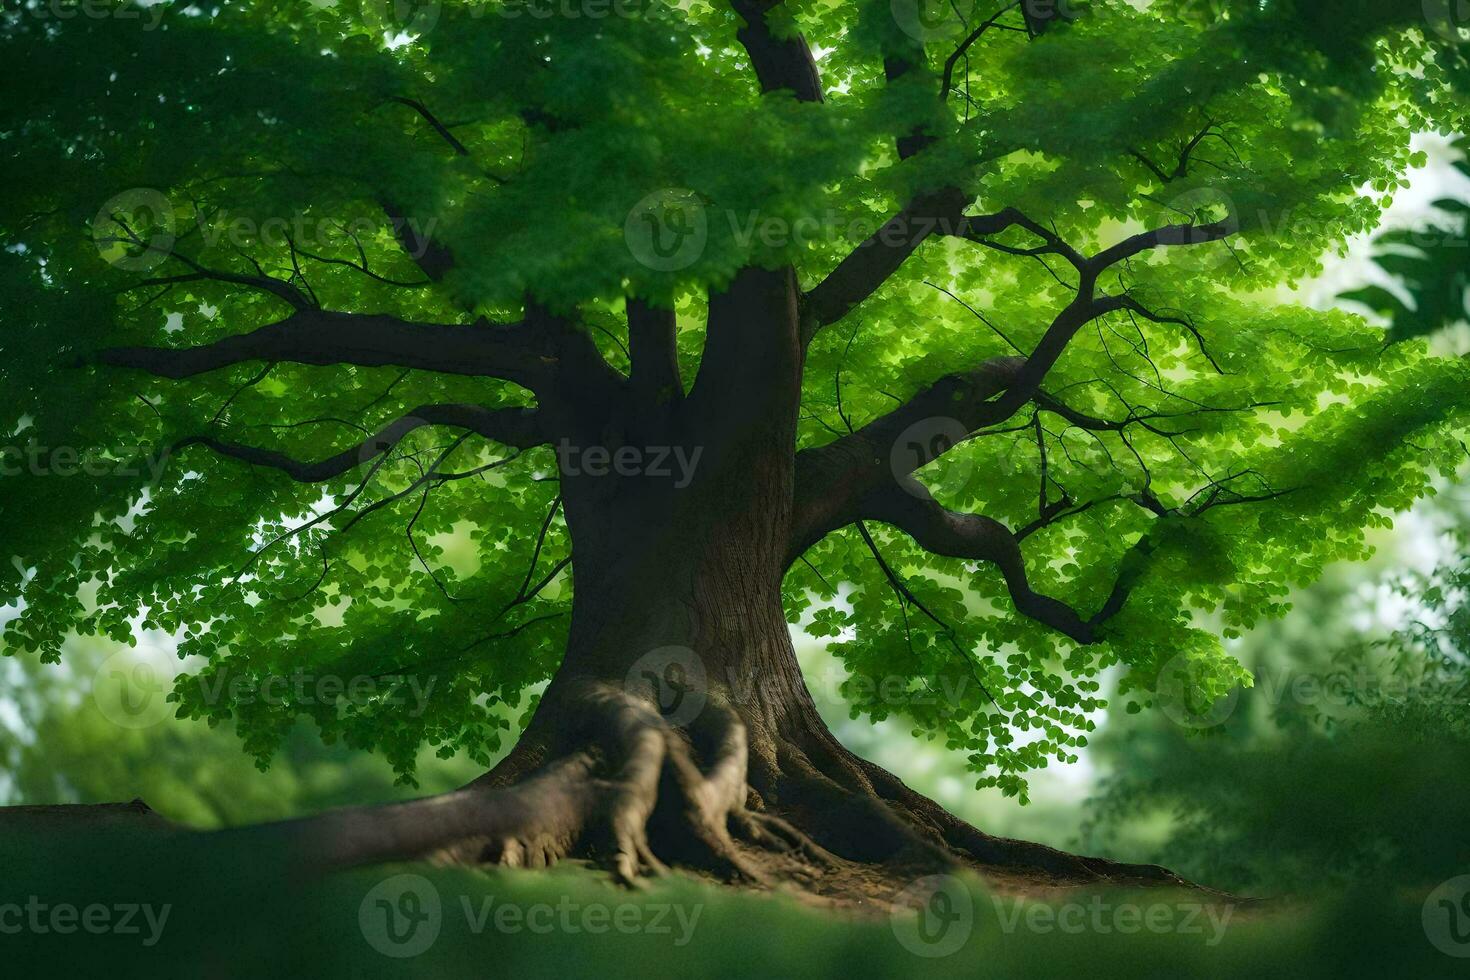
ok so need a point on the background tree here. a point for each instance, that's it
(951, 342)
(1355, 745)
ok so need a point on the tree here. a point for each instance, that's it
(1355, 744)
(461, 348)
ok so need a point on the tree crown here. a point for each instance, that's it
(328, 254)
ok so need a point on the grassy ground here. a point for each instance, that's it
(64, 911)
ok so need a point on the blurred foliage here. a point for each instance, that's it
(1431, 267)
(57, 746)
(1347, 761)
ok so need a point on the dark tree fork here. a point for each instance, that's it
(753, 788)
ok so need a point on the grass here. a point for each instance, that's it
(232, 915)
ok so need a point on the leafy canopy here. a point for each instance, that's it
(1254, 440)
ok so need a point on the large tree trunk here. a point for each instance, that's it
(743, 780)
(680, 697)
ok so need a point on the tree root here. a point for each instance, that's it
(619, 787)
(684, 788)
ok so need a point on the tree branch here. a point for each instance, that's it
(432, 120)
(320, 337)
(429, 255)
(654, 352)
(280, 288)
(1187, 233)
(947, 82)
(516, 427)
(936, 529)
(877, 257)
(832, 479)
(779, 63)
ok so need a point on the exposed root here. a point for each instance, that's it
(616, 785)
(685, 788)
(830, 826)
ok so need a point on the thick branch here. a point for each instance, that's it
(652, 346)
(1187, 233)
(749, 378)
(511, 426)
(561, 799)
(831, 479)
(941, 531)
(877, 257)
(430, 256)
(779, 63)
(320, 337)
